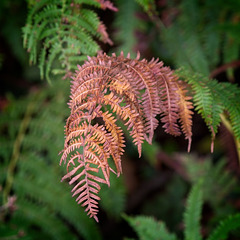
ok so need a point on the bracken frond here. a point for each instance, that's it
(104, 91)
(66, 33)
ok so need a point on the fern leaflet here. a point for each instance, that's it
(193, 213)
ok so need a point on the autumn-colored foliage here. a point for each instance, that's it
(104, 90)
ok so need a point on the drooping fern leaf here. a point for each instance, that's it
(111, 88)
(147, 228)
(193, 213)
(65, 32)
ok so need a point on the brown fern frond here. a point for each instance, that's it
(108, 89)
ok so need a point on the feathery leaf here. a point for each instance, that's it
(106, 89)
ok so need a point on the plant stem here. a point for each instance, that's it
(16, 151)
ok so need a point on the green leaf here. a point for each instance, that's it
(43, 202)
(192, 214)
(147, 228)
(126, 24)
(57, 32)
(225, 227)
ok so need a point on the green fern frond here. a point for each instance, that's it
(192, 213)
(43, 202)
(216, 173)
(147, 228)
(231, 43)
(36, 190)
(183, 41)
(212, 99)
(51, 225)
(217, 107)
(211, 39)
(126, 24)
(203, 98)
(20, 228)
(56, 31)
(196, 37)
(225, 227)
(226, 98)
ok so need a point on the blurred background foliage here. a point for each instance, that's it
(202, 37)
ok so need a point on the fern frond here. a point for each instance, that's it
(216, 173)
(126, 24)
(193, 213)
(65, 32)
(185, 47)
(212, 99)
(230, 50)
(225, 227)
(202, 36)
(147, 228)
(205, 100)
(107, 89)
(38, 203)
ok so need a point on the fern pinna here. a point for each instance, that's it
(107, 89)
